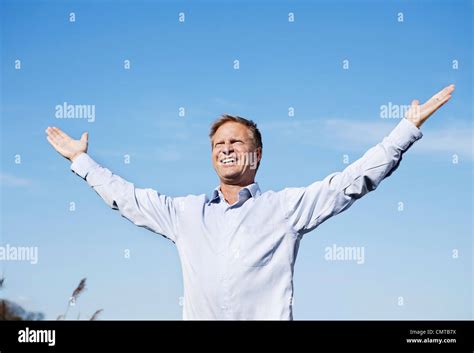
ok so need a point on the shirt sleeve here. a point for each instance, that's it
(307, 207)
(144, 207)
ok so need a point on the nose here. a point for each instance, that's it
(227, 148)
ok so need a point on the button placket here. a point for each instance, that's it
(232, 253)
(225, 282)
(225, 303)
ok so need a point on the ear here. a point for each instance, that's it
(259, 154)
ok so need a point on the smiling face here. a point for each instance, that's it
(234, 154)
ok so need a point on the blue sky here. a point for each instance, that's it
(282, 65)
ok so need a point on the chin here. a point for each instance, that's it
(230, 175)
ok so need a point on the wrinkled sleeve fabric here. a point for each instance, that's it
(144, 207)
(305, 208)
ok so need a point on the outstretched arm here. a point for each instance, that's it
(307, 207)
(144, 207)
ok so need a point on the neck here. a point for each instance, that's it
(231, 191)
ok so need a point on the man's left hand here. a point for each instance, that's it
(418, 114)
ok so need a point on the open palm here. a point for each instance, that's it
(418, 114)
(65, 145)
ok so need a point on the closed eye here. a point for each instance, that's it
(231, 141)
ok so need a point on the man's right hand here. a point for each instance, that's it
(65, 145)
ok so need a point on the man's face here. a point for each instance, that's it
(234, 155)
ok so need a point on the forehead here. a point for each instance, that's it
(232, 129)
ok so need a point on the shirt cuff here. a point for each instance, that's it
(405, 134)
(82, 165)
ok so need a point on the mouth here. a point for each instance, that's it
(228, 161)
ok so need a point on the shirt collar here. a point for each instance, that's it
(253, 189)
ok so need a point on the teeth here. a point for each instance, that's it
(228, 160)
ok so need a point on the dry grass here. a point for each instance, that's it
(81, 287)
(12, 311)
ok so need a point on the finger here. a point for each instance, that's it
(60, 132)
(434, 105)
(53, 132)
(443, 93)
(52, 143)
(447, 90)
(439, 104)
(434, 101)
(443, 102)
(56, 138)
(415, 108)
(49, 131)
(85, 137)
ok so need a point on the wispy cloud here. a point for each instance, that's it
(358, 133)
(455, 139)
(343, 134)
(14, 181)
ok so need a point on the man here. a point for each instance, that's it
(238, 247)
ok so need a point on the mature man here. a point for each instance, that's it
(238, 247)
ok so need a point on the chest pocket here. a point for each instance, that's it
(256, 244)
